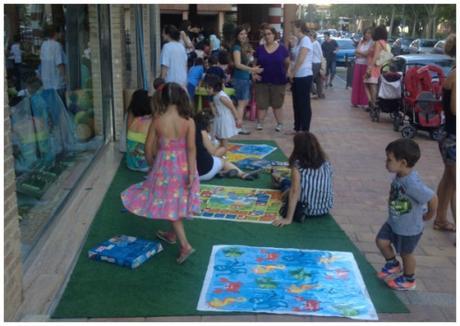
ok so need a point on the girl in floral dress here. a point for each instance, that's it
(171, 190)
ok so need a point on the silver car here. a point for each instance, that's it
(422, 45)
(439, 47)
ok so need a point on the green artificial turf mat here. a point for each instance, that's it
(161, 287)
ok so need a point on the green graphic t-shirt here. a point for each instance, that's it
(408, 196)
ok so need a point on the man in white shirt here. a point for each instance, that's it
(52, 67)
(316, 66)
(173, 58)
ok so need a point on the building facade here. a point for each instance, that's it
(52, 138)
(207, 16)
(53, 135)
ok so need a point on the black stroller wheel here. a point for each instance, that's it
(437, 134)
(408, 132)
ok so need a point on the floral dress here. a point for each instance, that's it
(164, 194)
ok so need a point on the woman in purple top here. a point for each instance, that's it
(273, 57)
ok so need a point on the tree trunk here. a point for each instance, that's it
(414, 27)
(392, 20)
(432, 12)
(434, 28)
(428, 28)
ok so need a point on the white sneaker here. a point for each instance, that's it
(244, 132)
(259, 126)
(279, 127)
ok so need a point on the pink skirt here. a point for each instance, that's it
(358, 95)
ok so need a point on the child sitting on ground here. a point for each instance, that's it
(210, 161)
(139, 119)
(226, 118)
(310, 187)
(404, 226)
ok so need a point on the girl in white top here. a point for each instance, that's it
(226, 117)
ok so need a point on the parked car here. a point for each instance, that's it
(404, 62)
(401, 45)
(346, 51)
(333, 31)
(422, 45)
(439, 47)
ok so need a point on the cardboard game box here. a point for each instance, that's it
(125, 251)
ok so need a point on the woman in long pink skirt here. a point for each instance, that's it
(358, 93)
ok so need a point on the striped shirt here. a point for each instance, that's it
(316, 189)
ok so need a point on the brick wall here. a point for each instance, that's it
(12, 245)
(118, 63)
(95, 67)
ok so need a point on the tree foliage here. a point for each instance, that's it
(421, 19)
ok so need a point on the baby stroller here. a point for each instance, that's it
(423, 102)
(389, 97)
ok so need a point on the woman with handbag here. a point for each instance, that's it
(371, 78)
(309, 190)
(358, 94)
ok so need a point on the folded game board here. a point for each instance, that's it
(125, 251)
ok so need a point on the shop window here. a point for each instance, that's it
(55, 110)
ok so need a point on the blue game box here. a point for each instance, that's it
(125, 251)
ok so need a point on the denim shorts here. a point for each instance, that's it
(242, 89)
(448, 149)
(403, 244)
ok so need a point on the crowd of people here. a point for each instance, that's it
(180, 152)
(259, 73)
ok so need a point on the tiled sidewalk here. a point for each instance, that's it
(356, 147)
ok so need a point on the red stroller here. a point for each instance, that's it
(422, 101)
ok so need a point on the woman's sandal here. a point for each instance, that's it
(229, 173)
(184, 254)
(446, 226)
(250, 176)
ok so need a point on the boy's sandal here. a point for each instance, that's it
(446, 226)
(184, 254)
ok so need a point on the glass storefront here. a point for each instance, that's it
(59, 119)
